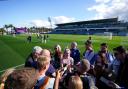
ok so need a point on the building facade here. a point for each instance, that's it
(93, 27)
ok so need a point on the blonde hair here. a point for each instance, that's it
(67, 50)
(42, 61)
(75, 83)
(58, 47)
(74, 43)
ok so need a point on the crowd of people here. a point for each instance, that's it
(42, 38)
(67, 70)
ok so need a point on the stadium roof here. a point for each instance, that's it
(91, 22)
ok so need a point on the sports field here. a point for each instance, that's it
(14, 50)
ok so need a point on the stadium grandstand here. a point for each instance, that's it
(93, 27)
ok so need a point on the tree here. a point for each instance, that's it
(2, 31)
(6, 27)
(11, 26)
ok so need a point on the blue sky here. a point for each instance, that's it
(36, 12)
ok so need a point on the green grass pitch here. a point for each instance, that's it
(14, 50)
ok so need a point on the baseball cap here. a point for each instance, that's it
(37, 49)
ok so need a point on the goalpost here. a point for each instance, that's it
(108, 35)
